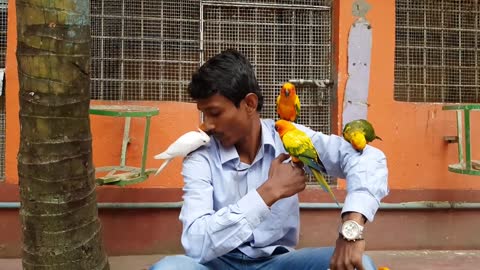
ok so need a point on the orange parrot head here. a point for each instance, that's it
(288, 89)
(283, 126)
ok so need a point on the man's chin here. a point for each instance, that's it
(224, 142)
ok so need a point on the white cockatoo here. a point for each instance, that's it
(181, 147)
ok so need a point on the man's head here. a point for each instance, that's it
(228, 95)
(228, 74)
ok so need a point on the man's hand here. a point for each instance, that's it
(347, 255)
(284, 180)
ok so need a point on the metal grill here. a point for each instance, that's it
(283, 42)
(3, 51)
(143, 50)
(437, 51)
(148, 49)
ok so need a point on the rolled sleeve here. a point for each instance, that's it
(361, 202)
(367, 182)
(366, 173)
(254, 208)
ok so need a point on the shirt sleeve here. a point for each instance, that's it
(208, 234)
(366, 173)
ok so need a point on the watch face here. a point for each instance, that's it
(350, 230)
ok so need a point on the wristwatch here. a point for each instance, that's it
(351, 230)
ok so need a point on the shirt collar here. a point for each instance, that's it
(227, 154)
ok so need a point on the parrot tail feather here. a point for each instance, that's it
(323, 183)
(164, 164)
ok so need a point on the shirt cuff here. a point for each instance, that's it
(254, 208)
(362, 203)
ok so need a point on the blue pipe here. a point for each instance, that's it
(420, 205)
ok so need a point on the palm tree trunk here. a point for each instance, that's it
(60, 225)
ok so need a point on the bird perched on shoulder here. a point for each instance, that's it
(288, 103)
(359, 133)
(300, 147)
(183, 146)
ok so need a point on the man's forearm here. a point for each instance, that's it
(358, 217)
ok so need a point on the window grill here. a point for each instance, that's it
(148, 49)
(437, 51)
(143, 50)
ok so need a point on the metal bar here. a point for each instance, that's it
(468, 157)
(430, 84)
(408, 55)
(133, 80)
(102, 53)
(122, 54)
(460, 137)
(142, 51)
(442, 61)
(460, 62)
(436, 28)
(421, 205)
(154, 19)
(477, 18)
(424, 54)
(201, 50)
(150, 61)
(162, 49)
(125, 141)
(145, 144)
(264, 5)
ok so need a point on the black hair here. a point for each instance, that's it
(229, 74)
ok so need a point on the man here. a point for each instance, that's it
(241, 208)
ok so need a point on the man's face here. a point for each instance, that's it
(224, 120)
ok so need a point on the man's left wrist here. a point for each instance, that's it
(351, 230)
(355, 216)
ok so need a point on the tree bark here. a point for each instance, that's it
(59, 216)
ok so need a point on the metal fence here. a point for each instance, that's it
(148, 49)
(437, 51)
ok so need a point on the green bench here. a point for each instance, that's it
(465, 163)
(128, 175)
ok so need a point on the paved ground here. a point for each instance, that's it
(395, 260)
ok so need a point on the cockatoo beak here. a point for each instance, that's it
(203, 129)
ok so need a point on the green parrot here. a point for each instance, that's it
(301, 149)
(359, 133)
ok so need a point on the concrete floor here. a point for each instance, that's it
(395, 260)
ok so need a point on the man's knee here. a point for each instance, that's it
(177, 262)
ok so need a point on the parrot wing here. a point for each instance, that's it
(300, 146)
(181, 147)
(312, 166)
(185, 144)
(297, 107)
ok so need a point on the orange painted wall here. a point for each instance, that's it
(412, 132)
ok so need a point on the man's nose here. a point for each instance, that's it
(207, 125)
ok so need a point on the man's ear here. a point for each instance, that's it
(251, 100)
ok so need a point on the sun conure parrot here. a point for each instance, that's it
(288, 103)
(359, 133)
(181, 147)
(301, 149)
